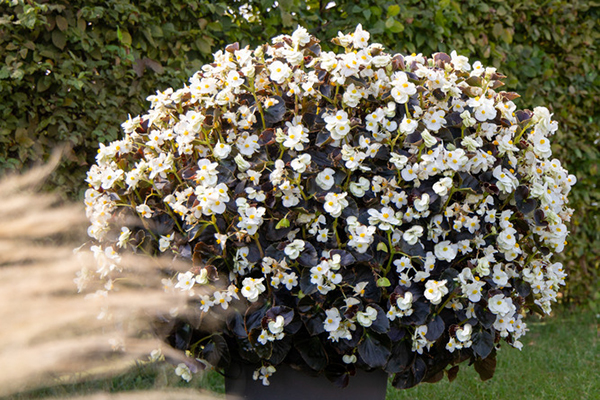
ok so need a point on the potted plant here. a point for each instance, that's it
(339, 212)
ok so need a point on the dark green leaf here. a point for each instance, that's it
(452, 373)
(411, 376)
(308, 257)
(312, 352)
(216, 352)
(306, 285)
(435, 328)
(59, 39)
(483, 343)
(485, 317)
(351, 210)
(522, 287)
(235, 324)
(401, 357)
(486, 367)
(281, 348)
(345, 257)
(313, 324)
(375, 350)
(381, 323)
(62, 23)
(275, 113)
(286, 312)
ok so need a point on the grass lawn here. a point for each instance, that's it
(559, 361)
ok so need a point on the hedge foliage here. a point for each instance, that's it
(73, 70)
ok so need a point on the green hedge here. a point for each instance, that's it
(73, 70)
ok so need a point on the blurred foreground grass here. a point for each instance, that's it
(559, 360)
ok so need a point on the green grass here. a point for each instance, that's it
(559, 360)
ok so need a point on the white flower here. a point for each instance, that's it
(300, 163)
(358, 189)
(296, 136)
(234, 79)
(434, 120)
(207, 173)
(326, 178)
(451, 345)
(279, 72)
(478, 69)
(184, 372)
(402, 89)
(460, 63)
(507, 182)
(323, 235)
(222, 299)
(338, 124)
(464, 334)
(263, 374)
(412, 235)
(366, 318)
(398, 160)
(110, 177)
(335, 203)
(290, 280)
(332, 319)
(202, 278)
(251, 219)
(404, 303)
(446, 250)
(252, 288)
(385, 218)
(467, 119)
(300, 37)
(361, 237)
(409, 173)
(186, 281)
(123, 237)
(507, 239)
(164, 242)
(429, 140)
(221, 150)
(144, 210)
(294, 249)
(435, 290)
(276, 327)
(483, 266)
(360, 37)
(422, 204)
(242, 164)
(500, 277)
(456, 159)
(402, 264)
(500, 304)
(248, 145)
(408, 125)
(349, 358)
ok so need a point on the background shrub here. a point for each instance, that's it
(73, 70)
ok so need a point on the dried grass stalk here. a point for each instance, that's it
(48, 329)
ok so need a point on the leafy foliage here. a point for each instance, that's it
(73, 69)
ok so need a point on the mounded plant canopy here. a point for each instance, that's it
(338, 210)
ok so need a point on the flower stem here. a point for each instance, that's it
(337, 236)
(392, 252)
(260, 250)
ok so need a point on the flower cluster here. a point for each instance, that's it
(347, 209)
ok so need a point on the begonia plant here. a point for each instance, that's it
(339, 210)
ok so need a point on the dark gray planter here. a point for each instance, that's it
(289, 384)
